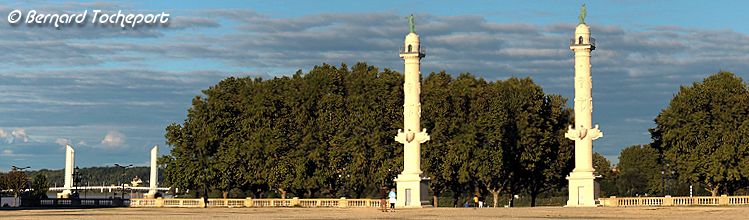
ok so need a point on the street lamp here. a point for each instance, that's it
(20, 168)
(122, 193)
(670, 181)
(76, 181)
(663, 182)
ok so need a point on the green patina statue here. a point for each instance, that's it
(411, 25)
(583, 11)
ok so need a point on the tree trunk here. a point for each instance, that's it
(225, 194)
(434, 200)
(256, 193)
(714, 191)
(205, 195)
(534, 191)
(359, 192)
(455, 199)
(495, 196)
(512, 200)
(533, 199)
(283, 193)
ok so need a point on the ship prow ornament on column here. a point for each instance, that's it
(69, 167)
(411, 184)
(582, 180)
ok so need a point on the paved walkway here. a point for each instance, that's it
(357, 213)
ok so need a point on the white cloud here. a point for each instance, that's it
(62, 141)
(113, 139)
(631, 67)
(19, 135)
(638, 120)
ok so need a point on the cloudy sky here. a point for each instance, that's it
(110, 91)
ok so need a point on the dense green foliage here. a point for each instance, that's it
(329, 133)
(608, 177)
(16, 181)
(704, 133)
(701, 139)
(639, 171)
(39, 186)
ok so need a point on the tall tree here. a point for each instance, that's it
(436, 111)
(700, 132)
(543, 156)
(492, 120)
(329, 132)
(639, 171)
(2, 182)
(39, 186)
(607, 181)
(17, 181)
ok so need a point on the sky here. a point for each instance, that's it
(110, 91)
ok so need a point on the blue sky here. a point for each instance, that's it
(110, 92)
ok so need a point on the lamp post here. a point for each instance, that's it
(663, 182)
(76, 181)
(122, 193)
(670, 181)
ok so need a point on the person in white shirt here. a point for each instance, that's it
(392, 199)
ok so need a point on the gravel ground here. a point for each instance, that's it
(718, 212)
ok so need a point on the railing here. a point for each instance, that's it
(81, 202)
(225, 203)
(576, 42)
(249, 202)
(318, 203)
(674, 201)
(167, 203)
(421, 50)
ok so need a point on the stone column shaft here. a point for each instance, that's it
(412, 113)
(582, 180)
(583, 109)
(153, 181)
(411, 185)
(68, 175)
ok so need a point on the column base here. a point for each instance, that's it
(581, 190)
(412, 191)
(65, 194)
(149, 195)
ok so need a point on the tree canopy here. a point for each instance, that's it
(639, 171)
(704, 133)
(329, 133)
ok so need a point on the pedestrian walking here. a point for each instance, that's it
(392, 197)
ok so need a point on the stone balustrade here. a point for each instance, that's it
(250, 202)
(85, 202)
(674, 201)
